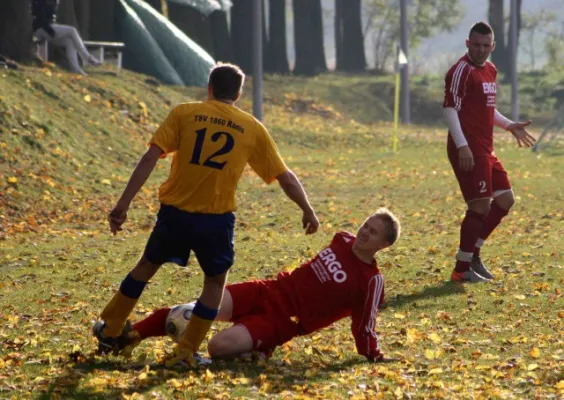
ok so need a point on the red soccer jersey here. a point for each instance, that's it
(471, 90)
(333, 285)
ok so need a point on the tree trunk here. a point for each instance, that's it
(509, 38)
(352, 43)
(339, 56)
(317, 33)
(277, 53)
(15, 30)
(66, 14)
(241, 33)
(102, 21)
(496, 19)
(82, 8)
(308, 37)
(222, 49)
(267, 64)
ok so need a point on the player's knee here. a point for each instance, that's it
(505, 200)
(219, 347)
(481, 206)
(217, 281)
(144, 270)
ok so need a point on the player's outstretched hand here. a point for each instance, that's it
(310, 222)
(524, 138)
(116, 218)
(465, 158)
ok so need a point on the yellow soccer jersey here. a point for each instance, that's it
(212, 142)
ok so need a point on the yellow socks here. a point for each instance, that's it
(116, 312)
(195, 333)
(120, 306)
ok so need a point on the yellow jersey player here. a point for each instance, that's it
(211, 142)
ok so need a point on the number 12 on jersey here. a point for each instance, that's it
(209, 162)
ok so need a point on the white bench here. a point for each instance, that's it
(113, 47)
(42, 48)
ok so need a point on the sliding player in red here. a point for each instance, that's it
(470, 112)
(211, 142)
(341, 280)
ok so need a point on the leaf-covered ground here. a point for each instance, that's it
(67, 146)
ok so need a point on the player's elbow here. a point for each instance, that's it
(152, 155)
(287, 181)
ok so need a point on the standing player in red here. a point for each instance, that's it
(342, 280)
(469, 109)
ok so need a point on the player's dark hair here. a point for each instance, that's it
(481, 27)
(226, 81)
(393, 226)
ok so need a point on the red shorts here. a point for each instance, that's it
(484, 180)
(262, 308)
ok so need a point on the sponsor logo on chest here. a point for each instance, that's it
(490, 90)
(489, 87)
(327, 267)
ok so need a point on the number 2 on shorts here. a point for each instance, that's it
(483, 186)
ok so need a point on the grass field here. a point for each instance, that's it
(67, 146)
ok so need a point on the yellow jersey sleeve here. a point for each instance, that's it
(265, 159)
(167, 137)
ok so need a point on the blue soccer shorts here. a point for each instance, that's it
(177, 233)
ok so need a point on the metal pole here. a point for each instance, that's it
(257, 59)
(405, 112)
(513, 67)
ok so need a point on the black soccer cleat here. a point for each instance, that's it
(113, 345)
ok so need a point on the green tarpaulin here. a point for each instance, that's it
(205, 7)
(190, 61)
(142, 53)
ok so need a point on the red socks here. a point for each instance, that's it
(153, 325)
(469, 232)
(491, 222)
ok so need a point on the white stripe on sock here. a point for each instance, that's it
(464, 256)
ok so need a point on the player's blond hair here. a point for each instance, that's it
(393, 226)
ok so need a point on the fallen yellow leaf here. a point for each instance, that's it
(535, 353)
(12, 179)
(435, 338)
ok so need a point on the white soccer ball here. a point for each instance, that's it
(177, 320)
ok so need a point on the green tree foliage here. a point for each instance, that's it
(535, 26)
(426, 18)
(554, 43)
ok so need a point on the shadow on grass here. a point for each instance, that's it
(446, 288)
(284, 377)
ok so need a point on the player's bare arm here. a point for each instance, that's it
(295, 192)
(142, 171)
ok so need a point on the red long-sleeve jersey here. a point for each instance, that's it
(471, 90)
(333, 285)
